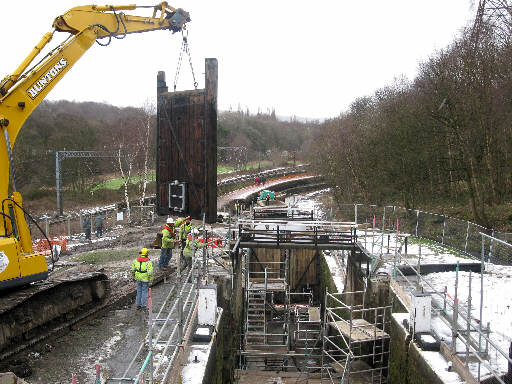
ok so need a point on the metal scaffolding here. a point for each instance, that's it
(355, 342)
(265, 324)
(161, 346)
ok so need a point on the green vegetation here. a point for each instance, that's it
(102, 256)
(250, 165)
(118, 182)
(225, 169)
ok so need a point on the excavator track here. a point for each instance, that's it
(40, 310)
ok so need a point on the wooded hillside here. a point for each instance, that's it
(445, 136)
(66, 125)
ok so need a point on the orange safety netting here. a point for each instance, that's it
(42, 246)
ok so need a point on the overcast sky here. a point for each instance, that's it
(304, 58)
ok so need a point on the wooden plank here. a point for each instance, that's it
(211, 82)
(301, 260)
(361, 330)
(272, 377)
(273, 286)
(267, 257)
(314, 313)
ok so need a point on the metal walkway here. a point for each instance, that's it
(166, 331)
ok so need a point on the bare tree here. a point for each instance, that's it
(125, 163)
(127, 149)
(145, 127)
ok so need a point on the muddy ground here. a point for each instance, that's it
(111, 338)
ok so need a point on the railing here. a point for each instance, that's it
(288, 214)
(448, 231)
(315, 236)
(167, 330)
(343, 347)
(465, 327)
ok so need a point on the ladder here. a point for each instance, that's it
(255, 328)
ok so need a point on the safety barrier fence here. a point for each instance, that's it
(72, 225)
(464, 236)
(285, 213)
(482, 357)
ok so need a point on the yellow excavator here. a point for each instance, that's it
(20, 93)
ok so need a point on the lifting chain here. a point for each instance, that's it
(184, 48)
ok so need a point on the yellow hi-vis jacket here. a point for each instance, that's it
(185, 229)
(190, 246)
(142, 269)
(168, 233)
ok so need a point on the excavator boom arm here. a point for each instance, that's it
(107, 21)
(24, 90)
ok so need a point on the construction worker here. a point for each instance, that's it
(98, 222)
(142, 272)
(180, 221)
(185, 227)
(168, 238)
(86, 224)
(191, 245)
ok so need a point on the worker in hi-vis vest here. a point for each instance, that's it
(191, 246)
(185, 226)
(142, 272)
(168, 239)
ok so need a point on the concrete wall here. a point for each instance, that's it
(213, 371)
(406, 365)
(228, 338)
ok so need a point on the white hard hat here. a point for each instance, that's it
(195, 231)
(170, 220)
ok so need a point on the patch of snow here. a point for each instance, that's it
(440, 366)
(193, 372)
(400, 317)
(104, 208)
(336, 273)
(441, 329)
(427, 339)
(497, 306)
(203, 331)
(436, 361)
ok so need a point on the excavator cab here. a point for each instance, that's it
(19, 264)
